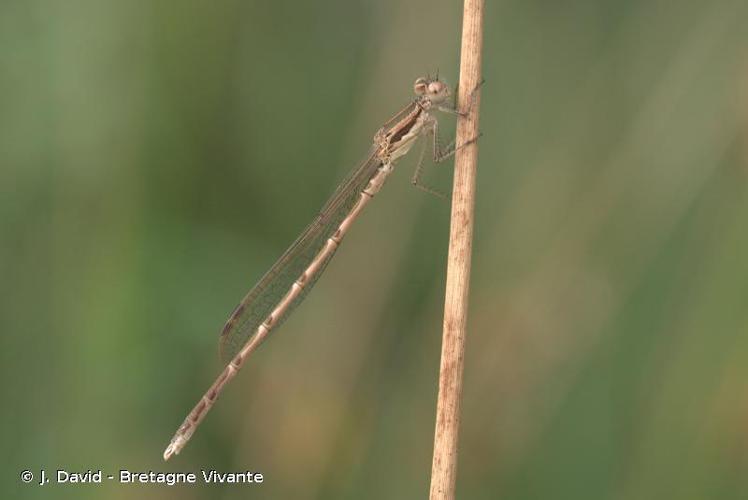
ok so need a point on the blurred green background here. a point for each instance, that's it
(157, 156)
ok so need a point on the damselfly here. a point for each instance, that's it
(286, 284)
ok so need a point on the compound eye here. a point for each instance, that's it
(420, 86)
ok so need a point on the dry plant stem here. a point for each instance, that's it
(444, 465)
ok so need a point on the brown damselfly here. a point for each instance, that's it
(286, 284)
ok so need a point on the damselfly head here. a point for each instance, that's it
(432, 89)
